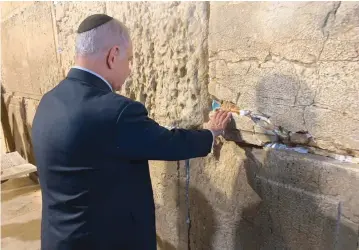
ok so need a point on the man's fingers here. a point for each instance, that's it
(216, 113)
(222, 116)
(226, 119)
(219, 120)
(219, 115)
(229, 116)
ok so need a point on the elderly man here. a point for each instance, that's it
(92, 148)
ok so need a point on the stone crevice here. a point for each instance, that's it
(249, 59)
(325, 29)
(330, 15)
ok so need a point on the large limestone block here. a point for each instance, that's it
(294, 62)
(312, 200)
(258, 199)
(221, 200)
(218, 196)
(29, 63)
(165, 181)
(170, 58)
(251, 30)
(315, 174)
(68, 16)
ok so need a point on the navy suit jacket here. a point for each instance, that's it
(92, 148)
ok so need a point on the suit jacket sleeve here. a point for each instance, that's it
(141, 138)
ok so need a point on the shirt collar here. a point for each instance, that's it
(94, 73)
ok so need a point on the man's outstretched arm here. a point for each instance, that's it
(141, 138)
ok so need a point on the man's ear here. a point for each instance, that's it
(112, 56)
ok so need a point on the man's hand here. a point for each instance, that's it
(218, 122)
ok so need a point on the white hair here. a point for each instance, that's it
(97, 41)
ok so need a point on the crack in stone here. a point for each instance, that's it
(250, 66)
(238, 95)
(331, 13)
(297, 94)
(303, 116)
(298, 62)
(324, 26)
(249, 59)
(342, 60)
(274, 98)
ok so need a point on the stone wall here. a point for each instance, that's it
(295, 62)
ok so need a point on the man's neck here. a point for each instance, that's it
(94, 73)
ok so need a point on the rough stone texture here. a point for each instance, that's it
(265, 199)
(21, 112)
(312, 200)
(2, 141)
(315, 174)
(165, 181)
(29, 63)
(170, 58)
(11, 8)
(67, 18)
(295, 62)
(219, 198)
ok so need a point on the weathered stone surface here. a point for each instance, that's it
(220, 196)
(259, 199)
(21, 112)
(342, 43)
(300, 138)
(285, 28)
(304, 221)
(315, 174)
(68, 16)
(297, 63)
(248, 137)
(2, 141)
(29, 63)
(311, 200)
(170, 58)
(165, 181)
(11, 8)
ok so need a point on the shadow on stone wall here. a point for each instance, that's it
(17, 133)
(203, 221)
(8, 137)
(255, 227)
(276, 217)
(287, 218)
(27, 146)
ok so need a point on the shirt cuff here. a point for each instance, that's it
(214, 135)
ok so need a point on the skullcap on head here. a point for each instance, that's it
(93, 21)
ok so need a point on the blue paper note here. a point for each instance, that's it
(215, 105)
